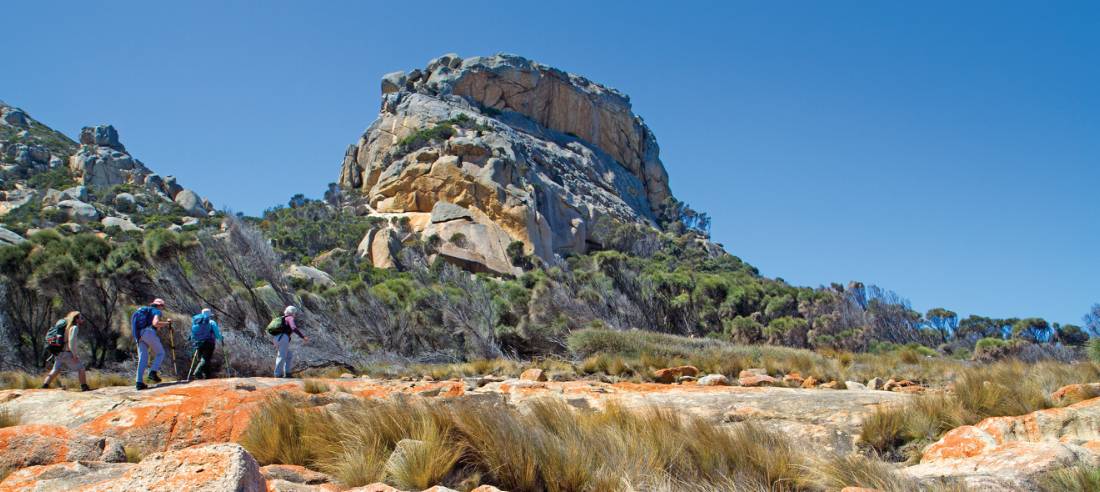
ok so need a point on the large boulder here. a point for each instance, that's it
(310, 275)
(121, 222)
(531, 153)
(13, 116)
(101, 136)
(9, 238)
(78, 211)
(191, 203)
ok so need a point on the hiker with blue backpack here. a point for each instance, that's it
(144, 325)
(281, 327)
(204, 337)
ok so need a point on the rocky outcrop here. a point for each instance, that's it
(102, 162)
(1008, 453)
(213, 467)
(517, 151)
(39, 444)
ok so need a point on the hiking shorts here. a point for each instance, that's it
(68, 360)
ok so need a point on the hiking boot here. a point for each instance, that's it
(84, 387)
(154, 377)
(141, 386)
(45, 386)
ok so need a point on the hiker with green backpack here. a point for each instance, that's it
(204, 337)
(60, 342)
(281, 327)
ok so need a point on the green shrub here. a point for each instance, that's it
(1094, 350)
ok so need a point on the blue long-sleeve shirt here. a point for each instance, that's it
(217, 332)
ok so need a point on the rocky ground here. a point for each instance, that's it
(80, 441)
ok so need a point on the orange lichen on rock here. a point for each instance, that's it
(37, 444)
(178, 417)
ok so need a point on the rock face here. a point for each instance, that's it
(29, 445)
(213, 467)
(516, 150)
(1007, 453)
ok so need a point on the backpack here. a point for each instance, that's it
(200, 328)
(140, 320)
(278, 326)
(55, 337)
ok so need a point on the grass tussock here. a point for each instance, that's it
(836, 472)
(315, 386)
(1075, 479)
(8, 418)
(1001, 389)
(133, 454)
(548, 446)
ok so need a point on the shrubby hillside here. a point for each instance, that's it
(494, 207)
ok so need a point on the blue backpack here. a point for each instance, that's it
(200, 328)
(140, 320)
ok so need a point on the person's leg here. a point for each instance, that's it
(158, 349)
(208, 358)
(282, 342)
(143, 360)
(80, 374)
(54, 371)
(289, 369)
(202, 357)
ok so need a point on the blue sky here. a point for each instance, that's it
(949, 151)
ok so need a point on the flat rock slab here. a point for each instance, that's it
(831, 419)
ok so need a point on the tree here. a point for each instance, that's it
(1034, 330)
(944, 321)
(975, 328)
(1071, 335)
(1092, 321)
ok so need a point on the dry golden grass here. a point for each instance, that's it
(133, 454)
(8, 419)
(315, 386)
(1076, 479)
(547, 447)
(19, 380)
(836, 472)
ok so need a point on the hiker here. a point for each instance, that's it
(282, 327)
(204, 336)
(145, 322)
(60, 342)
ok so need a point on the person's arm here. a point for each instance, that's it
(158, 323)
(294, 328)
(217, 332)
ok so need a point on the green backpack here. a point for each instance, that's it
(278, 326)
(55, 337)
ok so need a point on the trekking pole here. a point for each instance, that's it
(194, 357)
(228, 366)
(172, 348)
